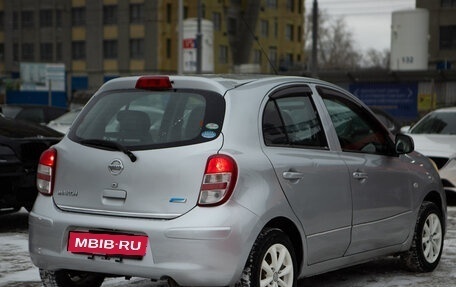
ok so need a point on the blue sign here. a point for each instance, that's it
(399, 100)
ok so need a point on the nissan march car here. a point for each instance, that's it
(230, 181)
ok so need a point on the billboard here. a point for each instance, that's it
(42, 77)
(397, 99)
(189, 46)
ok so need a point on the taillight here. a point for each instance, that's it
(218, 181)
(154, 83)
(46, 171)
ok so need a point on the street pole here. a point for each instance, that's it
(315, 39)
(199, 42)
(180, 15)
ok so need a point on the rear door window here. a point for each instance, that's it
(142, 119)
(291, 119)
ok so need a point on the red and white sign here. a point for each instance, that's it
(189, 43)
(107, 244)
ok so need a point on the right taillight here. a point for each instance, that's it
(218, 181)
(46, 171)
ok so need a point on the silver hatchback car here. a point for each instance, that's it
(230, 181)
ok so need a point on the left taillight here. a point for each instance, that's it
(46, 171)
(219, 180)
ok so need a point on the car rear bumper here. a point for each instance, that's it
(205, 247)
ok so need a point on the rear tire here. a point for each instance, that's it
(427, 245)
(272, 262)
(69, 278)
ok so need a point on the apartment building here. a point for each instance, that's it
(101, 39)
(442, 33)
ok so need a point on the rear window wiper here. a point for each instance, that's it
(110, 145)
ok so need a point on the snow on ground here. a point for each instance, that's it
(16, 268)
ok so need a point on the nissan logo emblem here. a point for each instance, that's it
(115, 167)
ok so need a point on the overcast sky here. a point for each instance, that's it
(369, 20)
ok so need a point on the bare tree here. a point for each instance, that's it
(337, 48)
(374, 59)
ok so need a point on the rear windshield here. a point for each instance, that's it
(151, 119)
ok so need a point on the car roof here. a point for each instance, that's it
(212, 82)
(446, 110)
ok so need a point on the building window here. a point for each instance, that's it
(276, 29)
(16, 52)
(2, 52)
(15, 20)
(109, 15)
(289, 59)
(27, 52)
(271, 4)
(169, 13)
(257, 57)
(46, 52)
(448, 3)
(232, 26)
(264, 28)
(46, 18)
(58, 18)
(26, 19)
(110, 49)
(290, 5)
(168, 48)
(137, 48)
(273, 55)
(217, 20)
(2, 20)
(58, 52)
(289, 31)
(136, 13)
(223, 54)
(299, 34)
(78, 50)
(78, 16)
(448, 37)
(203, 10)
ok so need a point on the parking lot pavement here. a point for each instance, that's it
(16, 269)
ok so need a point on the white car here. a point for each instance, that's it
(63, 123)
(435, 137)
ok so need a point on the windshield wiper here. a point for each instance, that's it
(110, 145)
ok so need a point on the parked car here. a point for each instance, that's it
(435, 136)
(40, 114)
(238, 182)
(389, 121)
(63, 123)
(21, 145)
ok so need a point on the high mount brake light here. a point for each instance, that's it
(154, 83)
(46, 171)
(219, 180)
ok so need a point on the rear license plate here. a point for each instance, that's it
(107, 244)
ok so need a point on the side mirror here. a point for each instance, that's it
(404, 144)
(405, 129)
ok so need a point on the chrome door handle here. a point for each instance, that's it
(360, 175)
(292, 175)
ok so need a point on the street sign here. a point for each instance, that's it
(399, 100)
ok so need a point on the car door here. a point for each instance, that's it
(313, 178)
(381, 189)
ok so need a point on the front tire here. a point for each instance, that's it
(272, 262)
(69, 278)
(427, 245)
